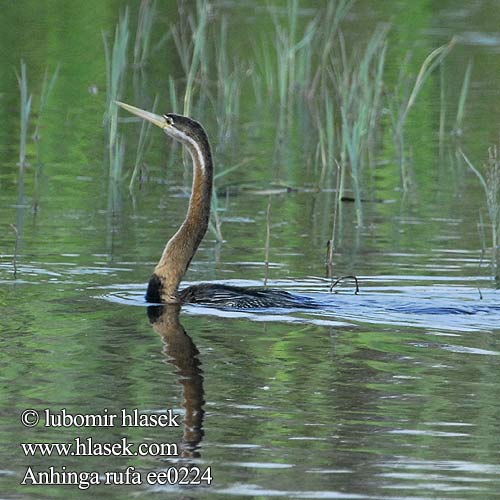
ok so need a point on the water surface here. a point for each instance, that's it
(390, 393)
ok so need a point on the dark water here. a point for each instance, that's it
(390, 393)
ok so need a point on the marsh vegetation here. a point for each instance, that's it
(331, 96)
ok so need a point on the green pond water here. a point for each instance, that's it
(390, 393)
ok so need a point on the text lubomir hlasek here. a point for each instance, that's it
(124, 418)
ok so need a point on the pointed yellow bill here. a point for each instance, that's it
(157, 120)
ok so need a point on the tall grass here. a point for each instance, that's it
(47, 88)
(342, 89)
(173, 99)
(324, 121)
(215, 222)
(16, 249)
(25, 111)
(358, 82)
(403, 102)
(325, 91)
(191, 41)
(330, 20)
(289, 49)
(331, 245)
(491, 186)
(442, 107)
(267, 247)
(458, 128)
(116, 63)
(142, 44)
(48, 85)
(229, 82)
(142, 146)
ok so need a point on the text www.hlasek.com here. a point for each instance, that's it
(88, 447)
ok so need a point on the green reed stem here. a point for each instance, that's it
(268, 241)
(199, 47)
(357, 81)
(47, 88)
(16, 248)
(174, 104)
(430, 63)
(116, 63)
(144, 135)
(491, 187)
(25, 111)
(147, 13)
(215, 223)
(331, 247)
(442, 108)
(458, 128)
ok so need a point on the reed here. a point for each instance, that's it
(491, 186)
(430, 62)
(328, 29)
(229, 79)
(267, 250)
(190, 39)
(482, 237)
(264, 74)
(343, 91)
(285, 57)
(292, 53)
(47, 88)
(324, 121)
(312, 73)
(26, 108)
(25, 111)
(358, 82)
(296, 80)
(116, 63)
(331, 244)
(16, 249)
(215, 223)
(142, 146)
(142, 44)
(404, 103)
(442, 108)
(373, 74)
(48, 85)
(174, 103)
(458, 128)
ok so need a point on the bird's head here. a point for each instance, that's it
(179, 127)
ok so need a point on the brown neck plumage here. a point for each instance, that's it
(182, 246)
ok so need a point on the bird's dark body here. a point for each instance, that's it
(235, 297)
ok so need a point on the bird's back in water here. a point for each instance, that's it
(219, 295)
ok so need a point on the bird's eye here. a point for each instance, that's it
(169, 119)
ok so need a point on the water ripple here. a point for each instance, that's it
(444, 308)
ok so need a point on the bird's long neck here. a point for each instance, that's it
(182, 246)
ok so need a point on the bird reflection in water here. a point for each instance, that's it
(183, 354)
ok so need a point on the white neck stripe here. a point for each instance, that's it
(186, 139)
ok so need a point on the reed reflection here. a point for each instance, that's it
(181, 351)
